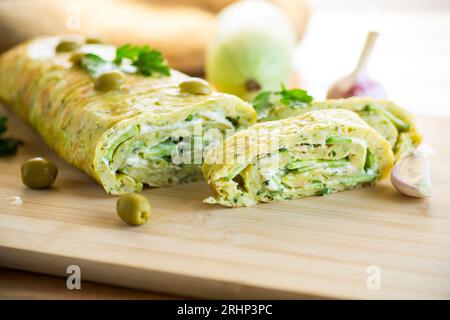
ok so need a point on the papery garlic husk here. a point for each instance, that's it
(411, 175)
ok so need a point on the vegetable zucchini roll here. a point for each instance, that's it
(316, 153)
(393, 122)
(123, 129)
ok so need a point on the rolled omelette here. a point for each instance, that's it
(122, 138)
(392, 121)
(315, 153)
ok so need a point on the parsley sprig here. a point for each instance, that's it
(264, 102)
(145, 60)
(8, 145)
(294, 98)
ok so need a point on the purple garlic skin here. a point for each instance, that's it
(360, 86)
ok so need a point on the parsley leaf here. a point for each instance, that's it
(93, 64)
(265, 102)
(294, 98)
(129, 52)
(262, 104)
(145, 59)
(3, 121)
(153, 61)
(8, 146)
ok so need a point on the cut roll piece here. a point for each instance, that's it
(316, 153)
(393, 122)
(123, 138)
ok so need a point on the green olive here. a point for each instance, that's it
(133, 208)
(110, 80)
(67, 45)
(195, 86)
(38, 173)
(76, 57)
(94, 40)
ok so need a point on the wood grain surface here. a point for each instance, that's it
(308, 248)
(15, 284)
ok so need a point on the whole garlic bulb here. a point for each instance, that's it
(358, 83)
(356, 86)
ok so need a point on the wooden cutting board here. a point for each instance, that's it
(319, 247)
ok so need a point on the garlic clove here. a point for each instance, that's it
(411, 175)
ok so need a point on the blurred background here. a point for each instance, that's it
(410, 59)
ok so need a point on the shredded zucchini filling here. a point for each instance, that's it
(391, 121)
(177, 155)
(307, 170)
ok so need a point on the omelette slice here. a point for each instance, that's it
(316, 153)
(393, 122)
(139, 134)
